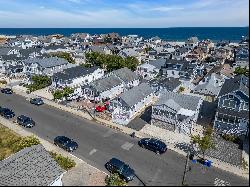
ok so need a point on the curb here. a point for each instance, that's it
(138, 134)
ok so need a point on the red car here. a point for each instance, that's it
(100, 108)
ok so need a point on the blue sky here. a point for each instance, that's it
(123, 13)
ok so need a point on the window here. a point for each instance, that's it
(173, 72)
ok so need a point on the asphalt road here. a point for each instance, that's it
(98, 144)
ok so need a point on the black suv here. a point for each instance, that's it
(25, 121)
(7, 113)
(65, 143)
(153, 144)
(36, 101)
(7, 91)
(117, 166)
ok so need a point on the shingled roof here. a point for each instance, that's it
(125, 74)
(240, 83)
(184, 101)
(136, 94)
(31, 166)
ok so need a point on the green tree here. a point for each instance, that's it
(39, 82)
(241, 71)
(57, 94)
(181, 89)
(65, 56)
(67, 91)
(65, 162)
(206, 142)
(114, 180)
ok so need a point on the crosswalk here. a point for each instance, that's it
(220, 182)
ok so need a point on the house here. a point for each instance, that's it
(32, 166)
(45, 66)
(210, 86)
(191, 43)
(76, 76)
(129, 78)
(151, 69)
(105, 88)
(180, 53)
(176, 112)
(125, 106)
(165, 84)
(232, 115)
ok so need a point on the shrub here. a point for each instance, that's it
(114, 180)
(3, 82)
(25, 142)
(65, 162)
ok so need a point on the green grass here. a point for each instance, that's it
(65, 162)
(11, 143)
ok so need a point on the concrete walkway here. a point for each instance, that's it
(82, 174)
(171, 141)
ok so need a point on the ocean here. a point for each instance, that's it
(233, 34)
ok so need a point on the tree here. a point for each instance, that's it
(59, 94)
(241, 71)
(181, 89)
(114, 180)
(64, 55)
(39, 82)
(206, 142)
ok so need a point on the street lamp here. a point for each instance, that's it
(187, 162)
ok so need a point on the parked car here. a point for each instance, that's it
(65, 143)
(36, 101)
(124, 170)
(153, 144)
(100, 108)
(25, 121)
(6, 91)
(7, 113)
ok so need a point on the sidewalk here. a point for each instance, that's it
(82, 174)
(149, 131)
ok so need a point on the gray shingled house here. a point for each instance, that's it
(176, 112)
(125, 106)
(45, 66)
(105, 88)
(232, 116)
(32, 166)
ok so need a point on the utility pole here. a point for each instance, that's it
(185, 171)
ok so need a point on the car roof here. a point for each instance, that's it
(23, 117)
(63, 138)
(156, 141)
(117, 162)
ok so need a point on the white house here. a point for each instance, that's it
(126, 105)
(176, 112)
(76, 76)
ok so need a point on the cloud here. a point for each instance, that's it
(138, 14)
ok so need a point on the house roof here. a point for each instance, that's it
(240, 83)
(136, 94)
(4, 50)
(184, 101)
(169, 83)
(106, 83)
(47, 62)
(125, 74)
(32, 166)
(74, 72)
(241, 114)
(158, 63)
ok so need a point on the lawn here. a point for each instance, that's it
(11, 143)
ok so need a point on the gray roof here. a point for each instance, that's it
(4, 50)
(47, 62)
(125, 74)
(158, 63)
(31, 166)
(106, 83)
(136, 94)
(185, 101)
(99, 49)
(169, 83)
(74, 72)
(240, 83)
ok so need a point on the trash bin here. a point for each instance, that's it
(209, 163)
(191, 156)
